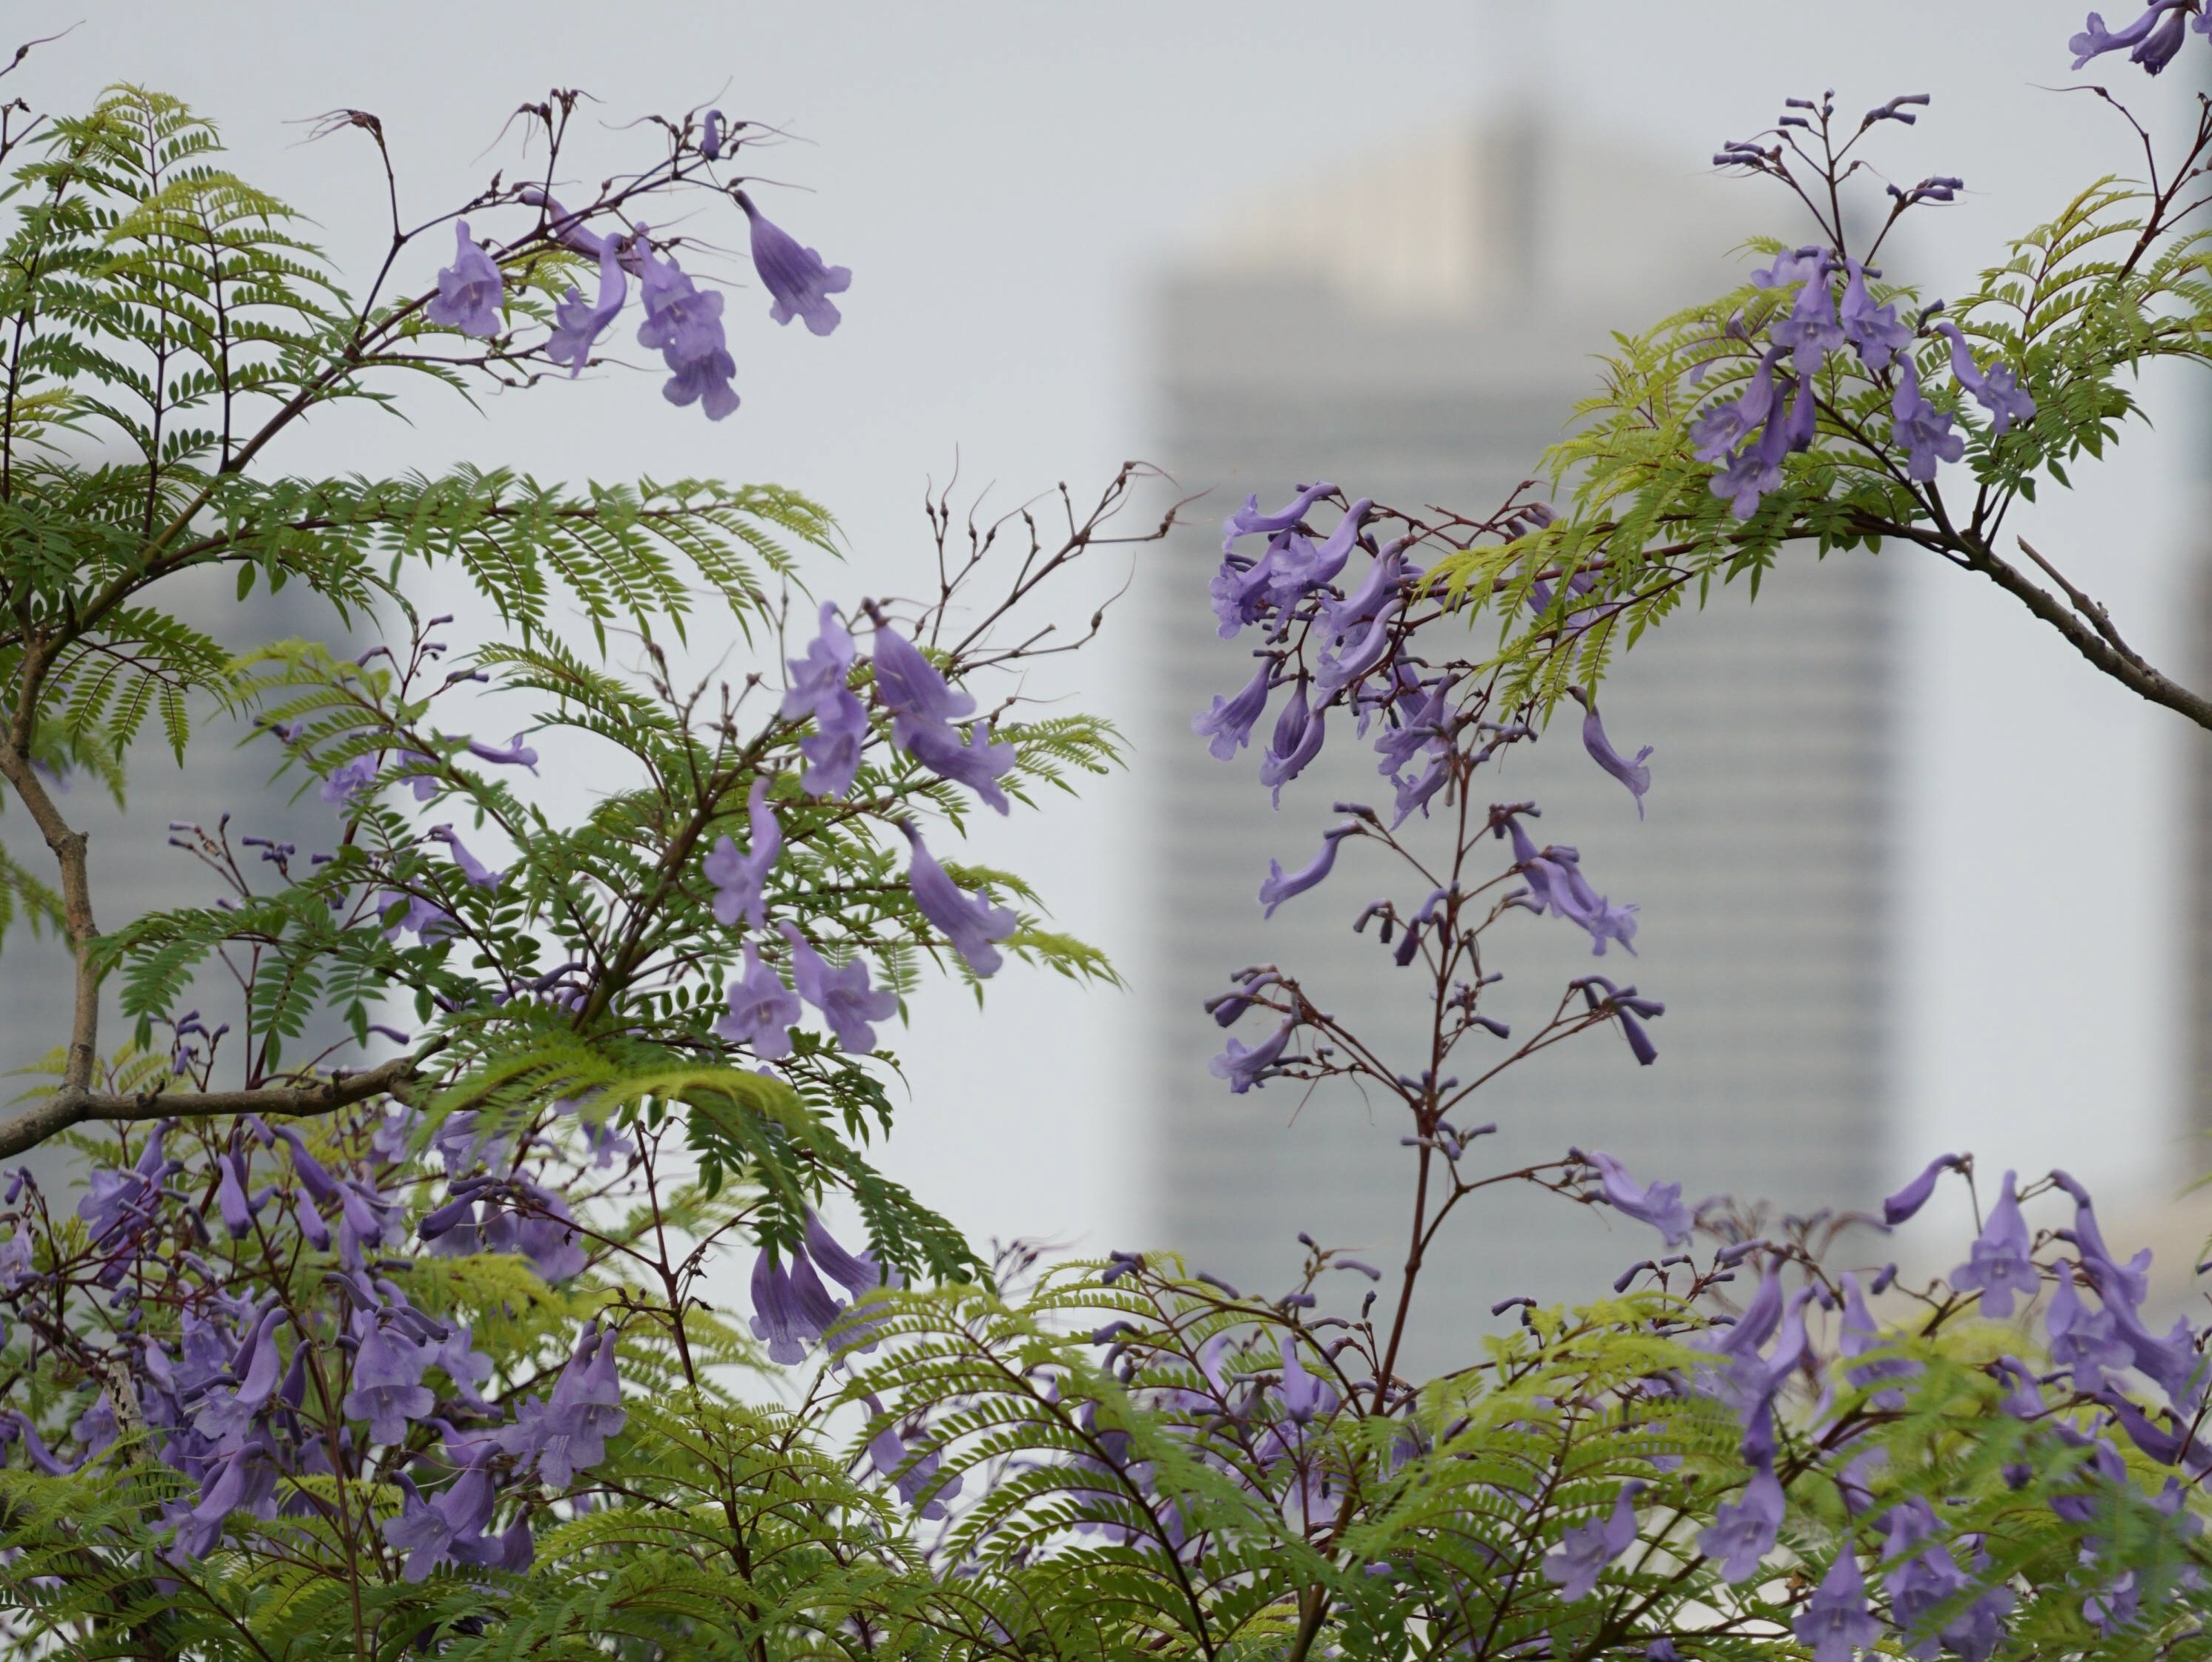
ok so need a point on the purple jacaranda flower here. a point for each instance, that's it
(685, 327)
(710, 136)
(1377, 592)
(1743, 1531)
(763, 1010)
(1923, 430)
(739, 879)
(578, 323)
(794, 276)
(913, 1468)
(1873, 330)
(1297, 739)
(1811, 330)
(1756, 469)
(857, 1272)
(423, 781)
(1857, 1334)
(563, 225)
(1835, 1625)
(2095, 39)
(1335, 670)
(1634, 774)
(2128, 1283)
(819, 688)
(245, 1482)
(95, 1429)
(1414, 790)
(1279, 887)
(978, 763)
(1229, 724)
(1297, 565)
(1722, 426)
(350, 779)
(513, 754)
(968, 921)
(1568, 893)
(792, 1310)
(1798, 265)
(428, 1532)
(227, 1412)
(2086, 1342)
(567, 1433)
(468, 291)
(115, 1199)
(2000, 1264)
(843, 996)
(2157, 49)
(387, 1379)
(1999, 391)
(1910, 1199)
(923, 705)
(1659, 1205)
(16, 1259)
(1586, 1550)
(231, 1199)
(477, 874)
(1249, 521)
(1241, 1069)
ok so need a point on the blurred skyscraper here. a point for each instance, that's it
(1417, 329)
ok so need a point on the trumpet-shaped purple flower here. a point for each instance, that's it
(739, 879)
(968, 921)
(1336, 669)
(578, 323)
(1228, 725)
(1857, 1334)
(1634, 774)
(1923, 430)
(913, 1468)
(792, 1310)
(923, 705)
(114, 1199)
(977, 764)
(1278, 887)
(2095, 39)
(1756, 469)
(1298, 735)
(1743, 1531)
(819, 688)
(1297, 566)
(1910, 1199)
(843, 996)
(1811, 330)
(1797, 266)
(1385, 580)
(2000, 1264)
(1586, 1550)
(349, 780)
(2086, 1342)
(1873, 330)
(1250, 520)
(447, 1530)
(513, 754)
(231, 1199)
(795, 276)
(567, 1433)
(244, 1481)
(1659, 1205)
(468, 291)
(2157, 49)
(685, 327)
(1997, 391)
(1835, 1625)
(387, 1379)
(1722, 426)
(763, 1010)
(565, 227)
(479, 874)
(1556, 884)
(227, 1413)
(1241, 1069)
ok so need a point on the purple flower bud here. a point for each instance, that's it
(1297, 740)
(230, 1197)
(2095, 39)
(739, 878)
(794, 276)
(969, 921)
(468, 294)
(710, 137)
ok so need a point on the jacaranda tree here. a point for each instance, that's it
(394, 1342)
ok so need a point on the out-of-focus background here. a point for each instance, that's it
(1912, 878)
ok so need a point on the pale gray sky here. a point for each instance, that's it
(1002, 178)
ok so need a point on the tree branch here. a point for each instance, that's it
(71, 1106)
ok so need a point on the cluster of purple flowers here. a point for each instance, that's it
(262, 1392)
(1748, 437)
(923, 708)
(683, 322)
(2152, 40)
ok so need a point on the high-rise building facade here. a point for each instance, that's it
(1417, 329)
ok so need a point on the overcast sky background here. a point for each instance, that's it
(1003, 180)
